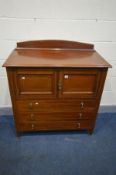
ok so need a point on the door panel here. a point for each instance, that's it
(36, 83)
(80, 83)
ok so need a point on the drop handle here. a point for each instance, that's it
(32, 126)
(78, 125)
(82, 105)
(32, 116)
(80, 115)
(30, 105)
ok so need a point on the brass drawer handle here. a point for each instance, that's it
(78, 125)
(80, 115)
(32, 126)
(82, 105)
(30, 105)
(32, 116)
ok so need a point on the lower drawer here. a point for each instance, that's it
(50, 126)
(56, 105)
(36, 116)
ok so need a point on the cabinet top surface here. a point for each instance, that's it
(70, 54)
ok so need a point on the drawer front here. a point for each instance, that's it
(64, 125)
(33, 83)
(56, 106)
(81, 83)
(34, 116)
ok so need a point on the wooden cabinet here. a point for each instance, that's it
(55, 85)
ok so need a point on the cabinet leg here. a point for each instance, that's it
(90, 131)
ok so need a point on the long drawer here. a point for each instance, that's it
(36, 116)
(52, 125)
(56, 105)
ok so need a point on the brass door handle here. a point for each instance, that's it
(60, 86)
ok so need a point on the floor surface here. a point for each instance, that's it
(59, 153)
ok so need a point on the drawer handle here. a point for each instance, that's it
(82, 105)
(78, 125)
(23, 78)
(30, 105)
(80, 115)
(32, 116)
(32, 126)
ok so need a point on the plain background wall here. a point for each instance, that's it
(92, 21)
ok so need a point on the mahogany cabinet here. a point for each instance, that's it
(55, 85)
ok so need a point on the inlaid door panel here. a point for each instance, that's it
(37, 83)
(78, 83)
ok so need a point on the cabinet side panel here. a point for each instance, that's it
(10, 75)
(101, 86)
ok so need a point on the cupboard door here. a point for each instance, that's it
(82, 83)
(35, 83)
